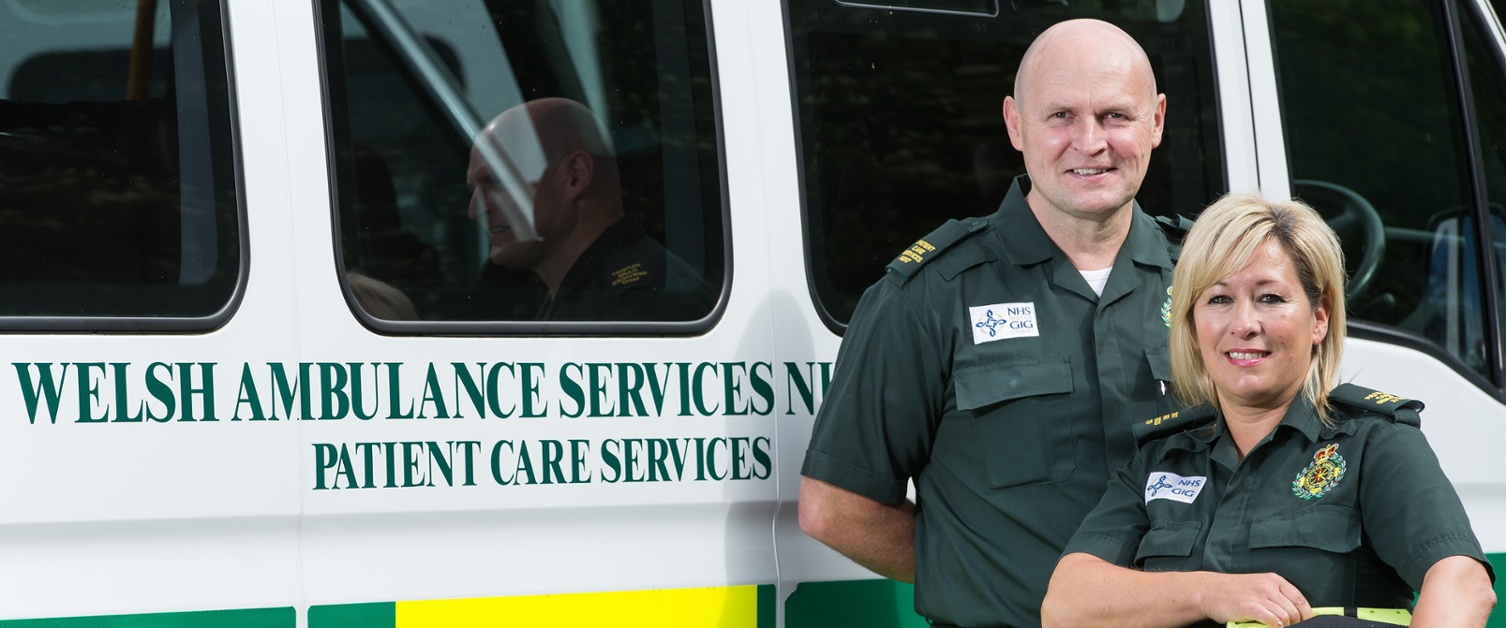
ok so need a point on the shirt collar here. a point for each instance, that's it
(1026, 242)
(1300, 418)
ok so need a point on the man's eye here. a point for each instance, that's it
(1059, 115)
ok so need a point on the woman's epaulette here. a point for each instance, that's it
(909, 261)
(1175, 227)
(1168, 424)
(1397, 408)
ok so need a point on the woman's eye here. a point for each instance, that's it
(1272, 298)
(1219, 299)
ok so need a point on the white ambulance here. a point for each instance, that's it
(262, 369)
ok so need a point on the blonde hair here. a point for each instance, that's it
(1226, 235)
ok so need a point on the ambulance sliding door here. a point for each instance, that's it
(477, 449)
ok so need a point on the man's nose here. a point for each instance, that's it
(477, 206)
(1088, 136)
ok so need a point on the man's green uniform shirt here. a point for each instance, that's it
(625, 275)
(984, 367)
(1352, 515)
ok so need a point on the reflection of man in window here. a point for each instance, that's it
(596, 262)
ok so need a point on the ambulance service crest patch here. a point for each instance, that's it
(1166, 308)
(1321, 476)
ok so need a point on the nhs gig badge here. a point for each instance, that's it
(1002, 320)
(1162, 485)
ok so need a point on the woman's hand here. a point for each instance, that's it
(1087, 591)
(1263, 597)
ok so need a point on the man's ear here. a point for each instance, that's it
(1158, 121)
(1012, 122)
(577, 169)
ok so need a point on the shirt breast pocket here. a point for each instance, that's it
(1328, 527)
(1013, 416)
(1167, 545)
(1159, 359)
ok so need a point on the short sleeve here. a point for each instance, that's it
(877, 423)
(1411, 512)
(1115, 527)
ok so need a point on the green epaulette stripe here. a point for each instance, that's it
(238, 618)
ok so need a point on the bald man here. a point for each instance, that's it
(565, 224)
(1000, 362)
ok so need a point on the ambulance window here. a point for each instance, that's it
(525, 167)
(118, 205)
(900, 127)
(1377, 143)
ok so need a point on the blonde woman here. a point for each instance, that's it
(1276, 493)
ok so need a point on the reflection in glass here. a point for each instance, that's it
(453, 192)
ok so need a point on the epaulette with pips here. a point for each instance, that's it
(909, 261)
(1398, 409)
(1168, 424)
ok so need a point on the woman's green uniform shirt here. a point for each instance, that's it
(1352, 515)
